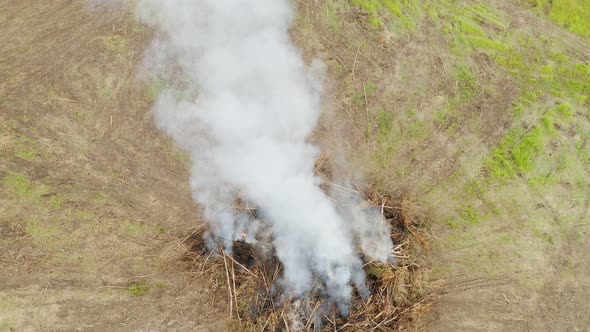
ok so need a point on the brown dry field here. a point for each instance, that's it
(121, 202)
(95, 206)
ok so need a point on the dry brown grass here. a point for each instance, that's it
(91, 195)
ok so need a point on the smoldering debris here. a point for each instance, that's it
(243, 103)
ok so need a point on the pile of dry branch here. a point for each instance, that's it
(398, 292)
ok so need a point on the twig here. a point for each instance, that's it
(233, 276)
(399, 245)
(328, 319)
(337, 58)
(9, 260)
(384, 322)
(185, 288)
(231, 301)
(334, 321)
(267, 285)
(341, 187)
(64, 99)
(399, 256)
(147, 275)
(265, 323)
(243, 267)
(354, 63)
(320, 164)
(45, 291)
(183, 240)
(312, 314)
(366, 104)
(285, 319)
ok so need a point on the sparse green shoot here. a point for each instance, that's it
(18, 184)
(115, 43)
(470, 215)
(138, 290)
(42, 231)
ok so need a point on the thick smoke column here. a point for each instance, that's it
(244, 104)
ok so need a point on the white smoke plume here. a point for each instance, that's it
(243, 103)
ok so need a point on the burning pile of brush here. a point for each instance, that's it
(258, 302)
(299, 251)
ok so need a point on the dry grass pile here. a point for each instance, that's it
(256, 301)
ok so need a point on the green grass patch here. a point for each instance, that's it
(56, 201)
(83, 215)
(115, 43)
(99, 199)
(565, 109)
(484, 14)
(24, 149)
(105, 87)
(453, 224)
(476, 188)
(160, 285)
(466, 83)
(573, 15)
(138, 290)
(138, 230)
(371, 89)
(417, 130)
(42, 231)
(465, 28)
(404, 15)
(18, 184)
(27, 154)
(372, 8)
(548, 124)
(470, 215)
(529, 147)
(463, 25)
(385, 122)
(442, 117)
(543, 235)
(459, 241)
(331, 10)
(157, 86)
(565, 79)
(385, 138)
(506, 239)
(516, 153)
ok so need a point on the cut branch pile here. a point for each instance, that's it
(398, 292)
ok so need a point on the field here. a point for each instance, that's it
(474, 114)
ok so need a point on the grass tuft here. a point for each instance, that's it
(470, 215)
(115, 43)
(18, 183)
(138, 290)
